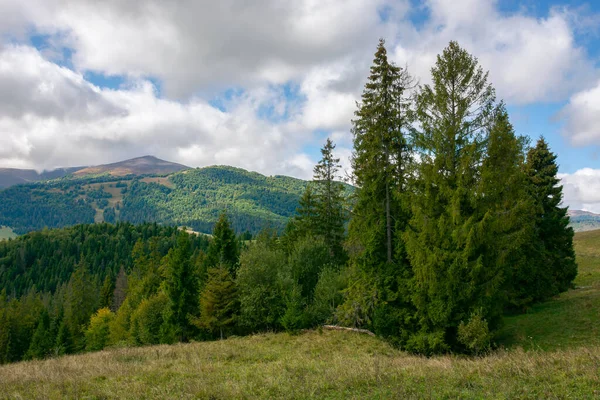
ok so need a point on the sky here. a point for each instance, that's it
(261, 84)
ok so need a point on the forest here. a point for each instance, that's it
(456, 221)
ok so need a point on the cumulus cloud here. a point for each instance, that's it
(581, 190)
(296, 69)
(582, 117)
(60, 119)
(530, 59)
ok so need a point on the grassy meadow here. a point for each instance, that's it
(553, 352)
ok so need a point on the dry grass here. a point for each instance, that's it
(336, 365)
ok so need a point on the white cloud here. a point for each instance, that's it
(581, 190)
(530, 59)
(582, 115)
(59, 119)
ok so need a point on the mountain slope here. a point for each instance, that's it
(13, 176)
(193, 197)
(584, 220)
(147, 165)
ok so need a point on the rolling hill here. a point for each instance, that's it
(12, 176)
(190, 197)
(582, 221)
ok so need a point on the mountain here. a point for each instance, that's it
(147, 165)
(13, 176)
(584, 220)
(193, 198)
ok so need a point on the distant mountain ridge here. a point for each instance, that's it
(584, 220)
(146, 165)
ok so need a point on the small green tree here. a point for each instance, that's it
(98, 331)
(218, 302)
(147, 319)
(42, 341)
(224, 247)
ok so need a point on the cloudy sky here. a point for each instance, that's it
(260, 84)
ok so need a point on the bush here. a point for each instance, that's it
(475, 334)
(98, 332)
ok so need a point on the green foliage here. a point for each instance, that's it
(98, 331)
(555, 237)
(42, 341)
(147, 319)
(224, 247)
(218, 302)
(181, 288)
(259, 286)
(475, 334)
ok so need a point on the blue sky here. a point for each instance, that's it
(260, 85)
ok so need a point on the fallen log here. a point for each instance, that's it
(343, 328)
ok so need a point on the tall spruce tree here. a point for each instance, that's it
(181, 287)
(218, 302)
(557, 263)
(380, 159)
(329, 202)
(506, 212)
(444, 243)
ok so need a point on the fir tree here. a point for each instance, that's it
(107, 291)
(224, 248)
(444, 244)
(555, 236)
(380, 158)
(380, 162)
(181, 287)
(305, 221)
(41, 342)
(329, 202)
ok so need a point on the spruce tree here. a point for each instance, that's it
(181, 287)
(305, 221)
(329, 201)
(557, 264)
(224, 247)
(107, 291)
(380, 161)
(444, 243)
(41, 342)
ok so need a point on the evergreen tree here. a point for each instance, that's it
(218, 302)
(64, 340)
(224, 247)
(81, 302)
(107, 292)
(445, 241)
(181, 287)
(380, 159)
(98, 331)
(120, 291)
(329, 202)
(554, 234)
(41, 342)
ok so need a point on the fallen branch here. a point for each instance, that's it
(343, 328)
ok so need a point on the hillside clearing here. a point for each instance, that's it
(314, 365)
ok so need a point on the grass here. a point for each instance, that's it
(571, 319)
(551, 352)
(328, 365)
(6, 233)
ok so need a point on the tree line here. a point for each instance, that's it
(455, 222)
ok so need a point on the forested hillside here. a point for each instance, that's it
(193, 198)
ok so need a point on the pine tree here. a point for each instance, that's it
(224, 248)
(181, 287)
(557, 262)
(120, 291)
(218, 302)
(445, 243)
(329, 202)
